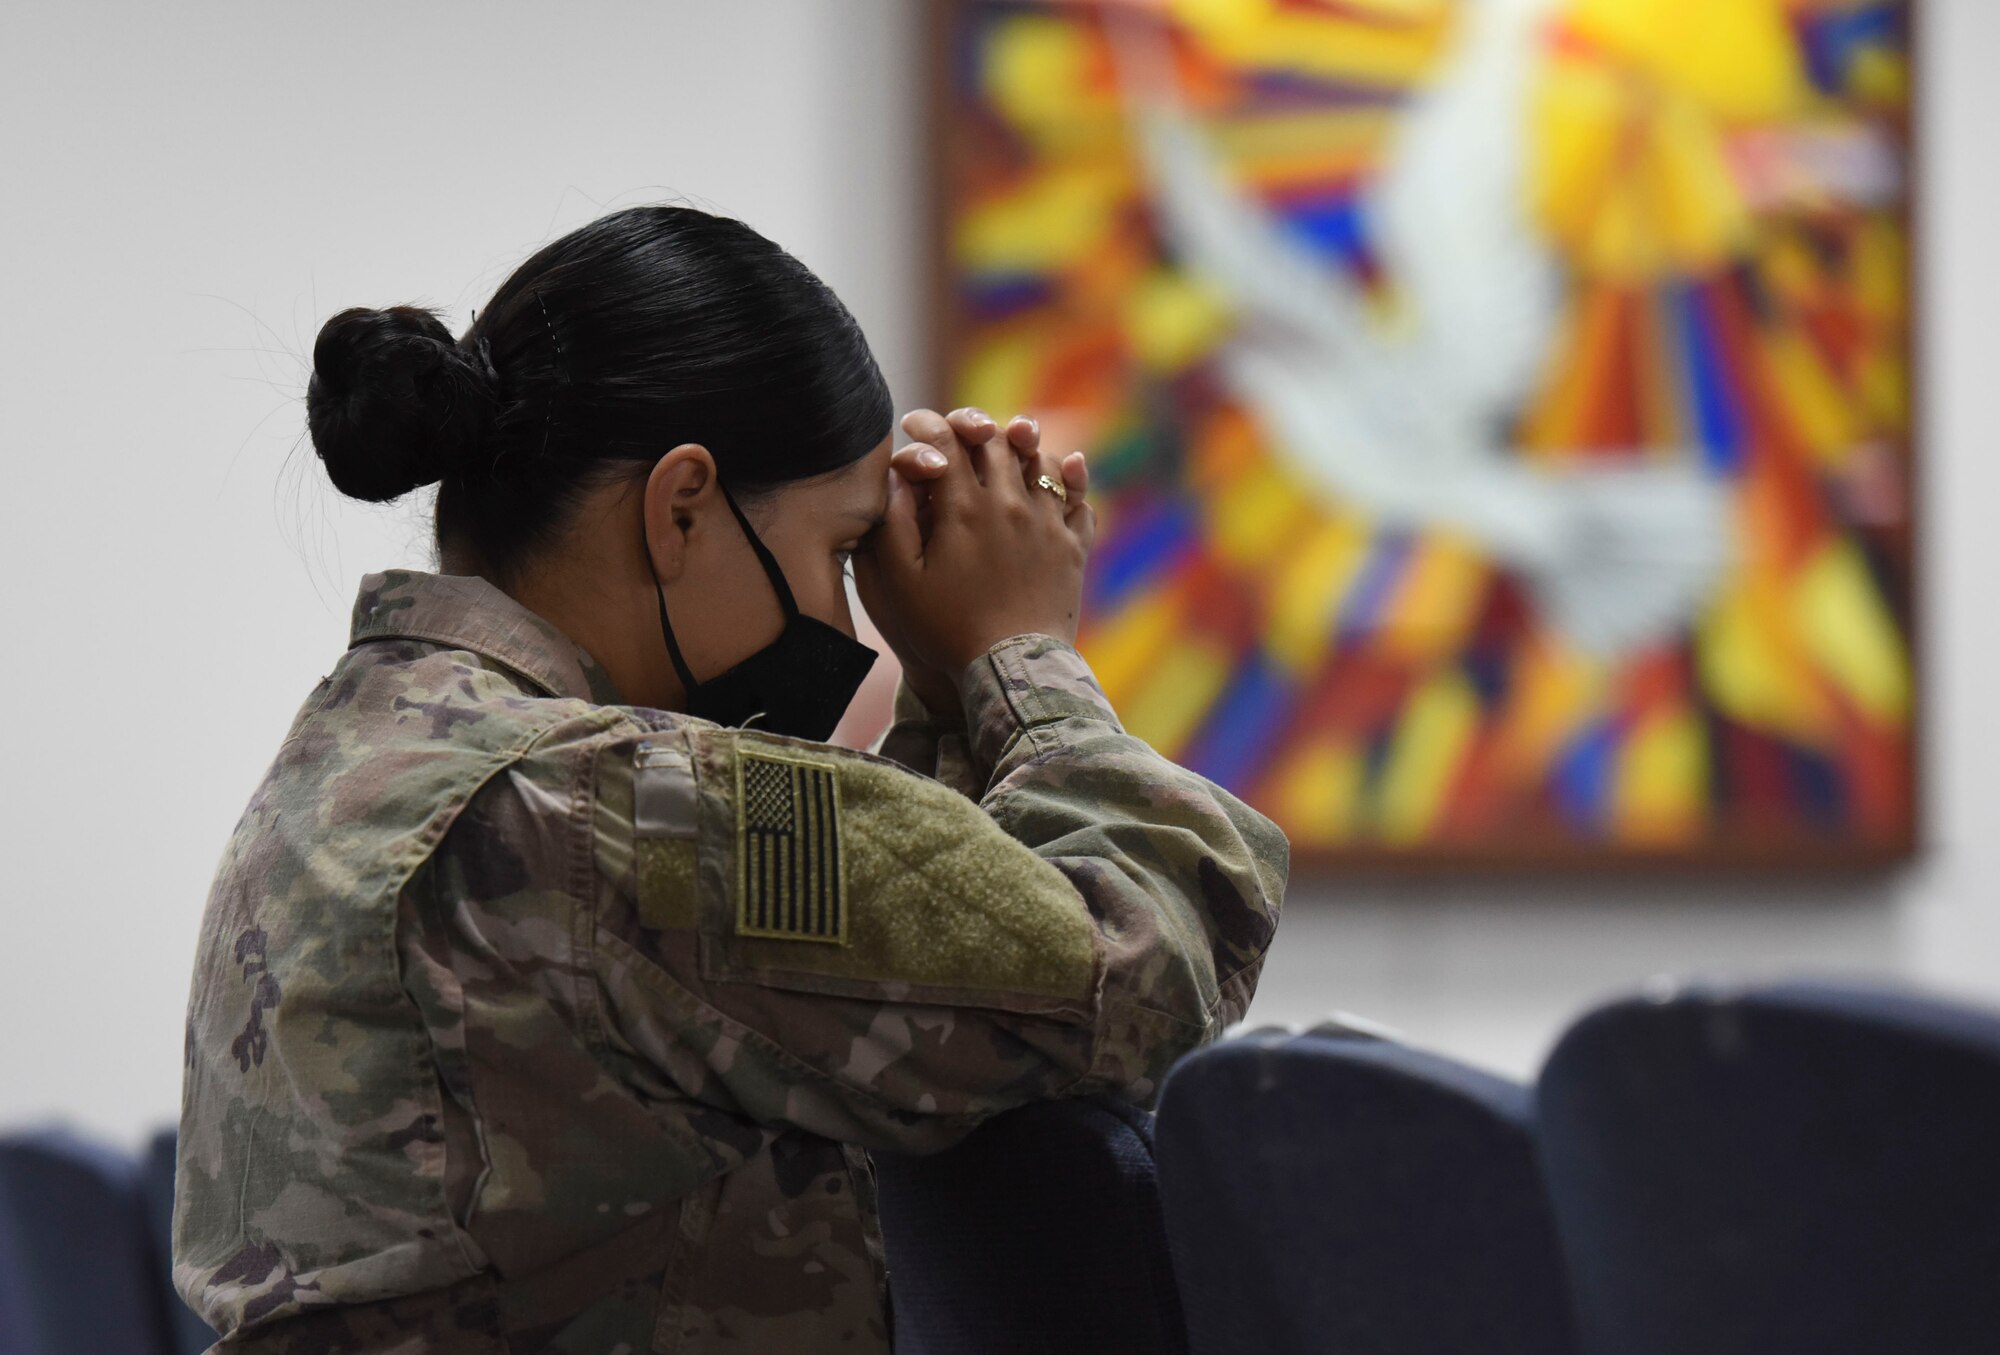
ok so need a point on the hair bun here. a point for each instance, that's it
(394, 402)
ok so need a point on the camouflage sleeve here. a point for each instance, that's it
(1183, 880)
(928, 745)
(813, 937)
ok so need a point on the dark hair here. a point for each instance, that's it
(647, 328)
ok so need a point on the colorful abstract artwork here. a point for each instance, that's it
(1498, 410)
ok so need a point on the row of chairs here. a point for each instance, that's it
(84, 1250)
(1781, 1169)
(1796, 1168)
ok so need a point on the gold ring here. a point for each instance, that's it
(1053, 486)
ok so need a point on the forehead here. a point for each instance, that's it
(855, 494)
(863, 483)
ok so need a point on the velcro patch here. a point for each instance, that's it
(663, 793)
(790, 873)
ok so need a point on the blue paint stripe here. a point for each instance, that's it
(1823, 63)
(1361, 611)
(1268, 89)
(1583, 777)
(1375, 758)
(1831, 42)
(1717, 416)
(1335, 227)
(992, 295)
(1141, 550)
(1818, 787)
(1873, 26)
(1490, 671)
(1235, 741)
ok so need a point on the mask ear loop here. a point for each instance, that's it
(688, 683)
(771, 571)
(764, 556)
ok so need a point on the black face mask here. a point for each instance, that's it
(799, 684)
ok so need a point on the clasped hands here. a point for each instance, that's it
(973, 547)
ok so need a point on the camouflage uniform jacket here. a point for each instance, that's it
(524, 1020)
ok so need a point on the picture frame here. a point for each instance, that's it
(1806, 765)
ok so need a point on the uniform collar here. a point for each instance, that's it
(466, 612)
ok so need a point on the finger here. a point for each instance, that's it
(898, 544)
(1025, 434)
(918, 462)
(916, 418)
(1082, 523)
(969, 432)
(999, 467)
(1081, 518)
(1076, 475)
(1042, 466)
(952, 485)
(973, 426)
(927, 425)
(873, 566)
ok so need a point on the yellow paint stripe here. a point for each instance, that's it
(1300, 629)
(1178, 693)
(1285, 135)
(1847, 627)
(1429, 745)
(1662, 780)
(1318, 794)
(1124, 650)
(1255, 516)
(1555, 691)
(1434, 603)
(1255, 33)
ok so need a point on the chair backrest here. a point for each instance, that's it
(79, 1273)
(1343, 1195)
(188, 1334)
(1038, 1232)
(1790, 1168)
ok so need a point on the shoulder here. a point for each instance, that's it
(554, 773)
(663, 774)
(665, 790)
(807, 865)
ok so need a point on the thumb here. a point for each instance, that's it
(899, 542)
(893, 554)
(918, 462)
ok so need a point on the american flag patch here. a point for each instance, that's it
(788, 863)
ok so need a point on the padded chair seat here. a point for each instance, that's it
(77, 1271)
(1796, 1168)
(1335, 1194)
(1038, 1232)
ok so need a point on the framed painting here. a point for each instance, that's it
(1498, 410)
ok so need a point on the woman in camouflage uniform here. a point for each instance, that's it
(558, 976)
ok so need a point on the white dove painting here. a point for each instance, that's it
(1502, 404)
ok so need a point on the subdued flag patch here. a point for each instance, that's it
(789, 872)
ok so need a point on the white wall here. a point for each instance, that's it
(192, 189)
(191, 193)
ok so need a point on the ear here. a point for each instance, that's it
(680, 493)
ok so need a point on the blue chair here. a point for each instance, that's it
(1038, 1232)
(77, 1272)
(188, 1334)
(1343, 1195)
(1786, 1168)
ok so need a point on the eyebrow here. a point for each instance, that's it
(868, 517)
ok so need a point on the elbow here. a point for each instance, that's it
(1162, 1006)
(1269, 855)
(1139, 1047)
(1242, 900)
